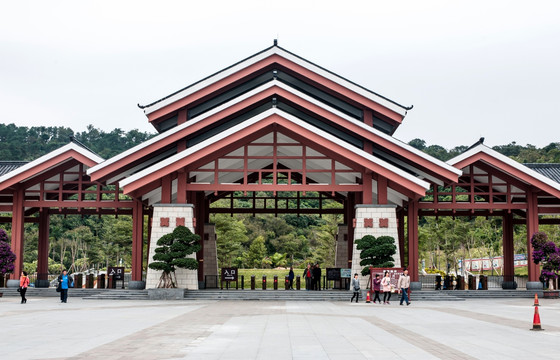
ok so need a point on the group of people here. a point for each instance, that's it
(384, 284)
(65, 281)
(312, 276)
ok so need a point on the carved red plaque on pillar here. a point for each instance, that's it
(354, 222)
(164, 222)
(383, 223)
(194, 223)
(180, 221)
(368, 222)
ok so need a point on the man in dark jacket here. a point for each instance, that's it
(317, 277)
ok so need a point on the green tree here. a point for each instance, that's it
(376, 252)
(172, 252)
(231, 234)
(256, 253)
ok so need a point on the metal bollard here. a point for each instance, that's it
(89, 281)
(298, 282)
(286, 283)
(264, 282)
(252, 282)
(101, 281)
(275, 282)
(242, 282)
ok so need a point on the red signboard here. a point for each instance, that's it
(394, 274)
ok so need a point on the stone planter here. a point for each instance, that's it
(166, 294)
(136, 285)
(12, 283)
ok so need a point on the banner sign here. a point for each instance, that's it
(394, 274)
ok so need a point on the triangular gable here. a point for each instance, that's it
(275, 88)
(275, 54)
(264, 119)
(503, 163)
(47, 161)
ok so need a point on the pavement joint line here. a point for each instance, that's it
(494, 319)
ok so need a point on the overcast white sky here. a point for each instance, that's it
(479, 68)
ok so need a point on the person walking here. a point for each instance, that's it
(386, 284)
(317, 277)
(355, 286)
(23, 284)
(377, 288)
(403, 284)
(291, 278)
(308, 276)
(65, 281)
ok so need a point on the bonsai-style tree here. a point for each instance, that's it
(376, 252)
(172, 253)
(547, 254)
(7, 257)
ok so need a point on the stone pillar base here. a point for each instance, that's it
(415, 286)
(534, 285)
(12, 283)
(165, 218)
(376, 220)
(136, 285)
(510, 285)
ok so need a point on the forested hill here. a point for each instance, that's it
(27, 143)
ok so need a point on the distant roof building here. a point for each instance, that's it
(551, 171)
(7, 166)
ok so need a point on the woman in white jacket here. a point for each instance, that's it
(386, 284)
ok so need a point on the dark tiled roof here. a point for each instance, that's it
(7, 166)
(551, 171)
(260, 52)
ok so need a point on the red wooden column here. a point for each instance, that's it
(413, 240)
(351, 203)
(150, 218)
(367, 193)
(532, 227)
(137, 239)
(200, 216)
(400, 232)
(166, 189)
(381, 190)
(17, 231)
(508, 249)
(43, 247)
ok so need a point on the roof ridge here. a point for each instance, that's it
(201, 80)
(275, 45)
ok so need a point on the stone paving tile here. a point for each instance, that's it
(276, 330)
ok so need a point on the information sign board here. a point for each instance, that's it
(333, 274)
(117, 272)
(346, 273)
(229, 274)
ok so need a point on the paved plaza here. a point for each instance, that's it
(100, 329)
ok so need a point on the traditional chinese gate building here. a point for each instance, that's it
(277, 123)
